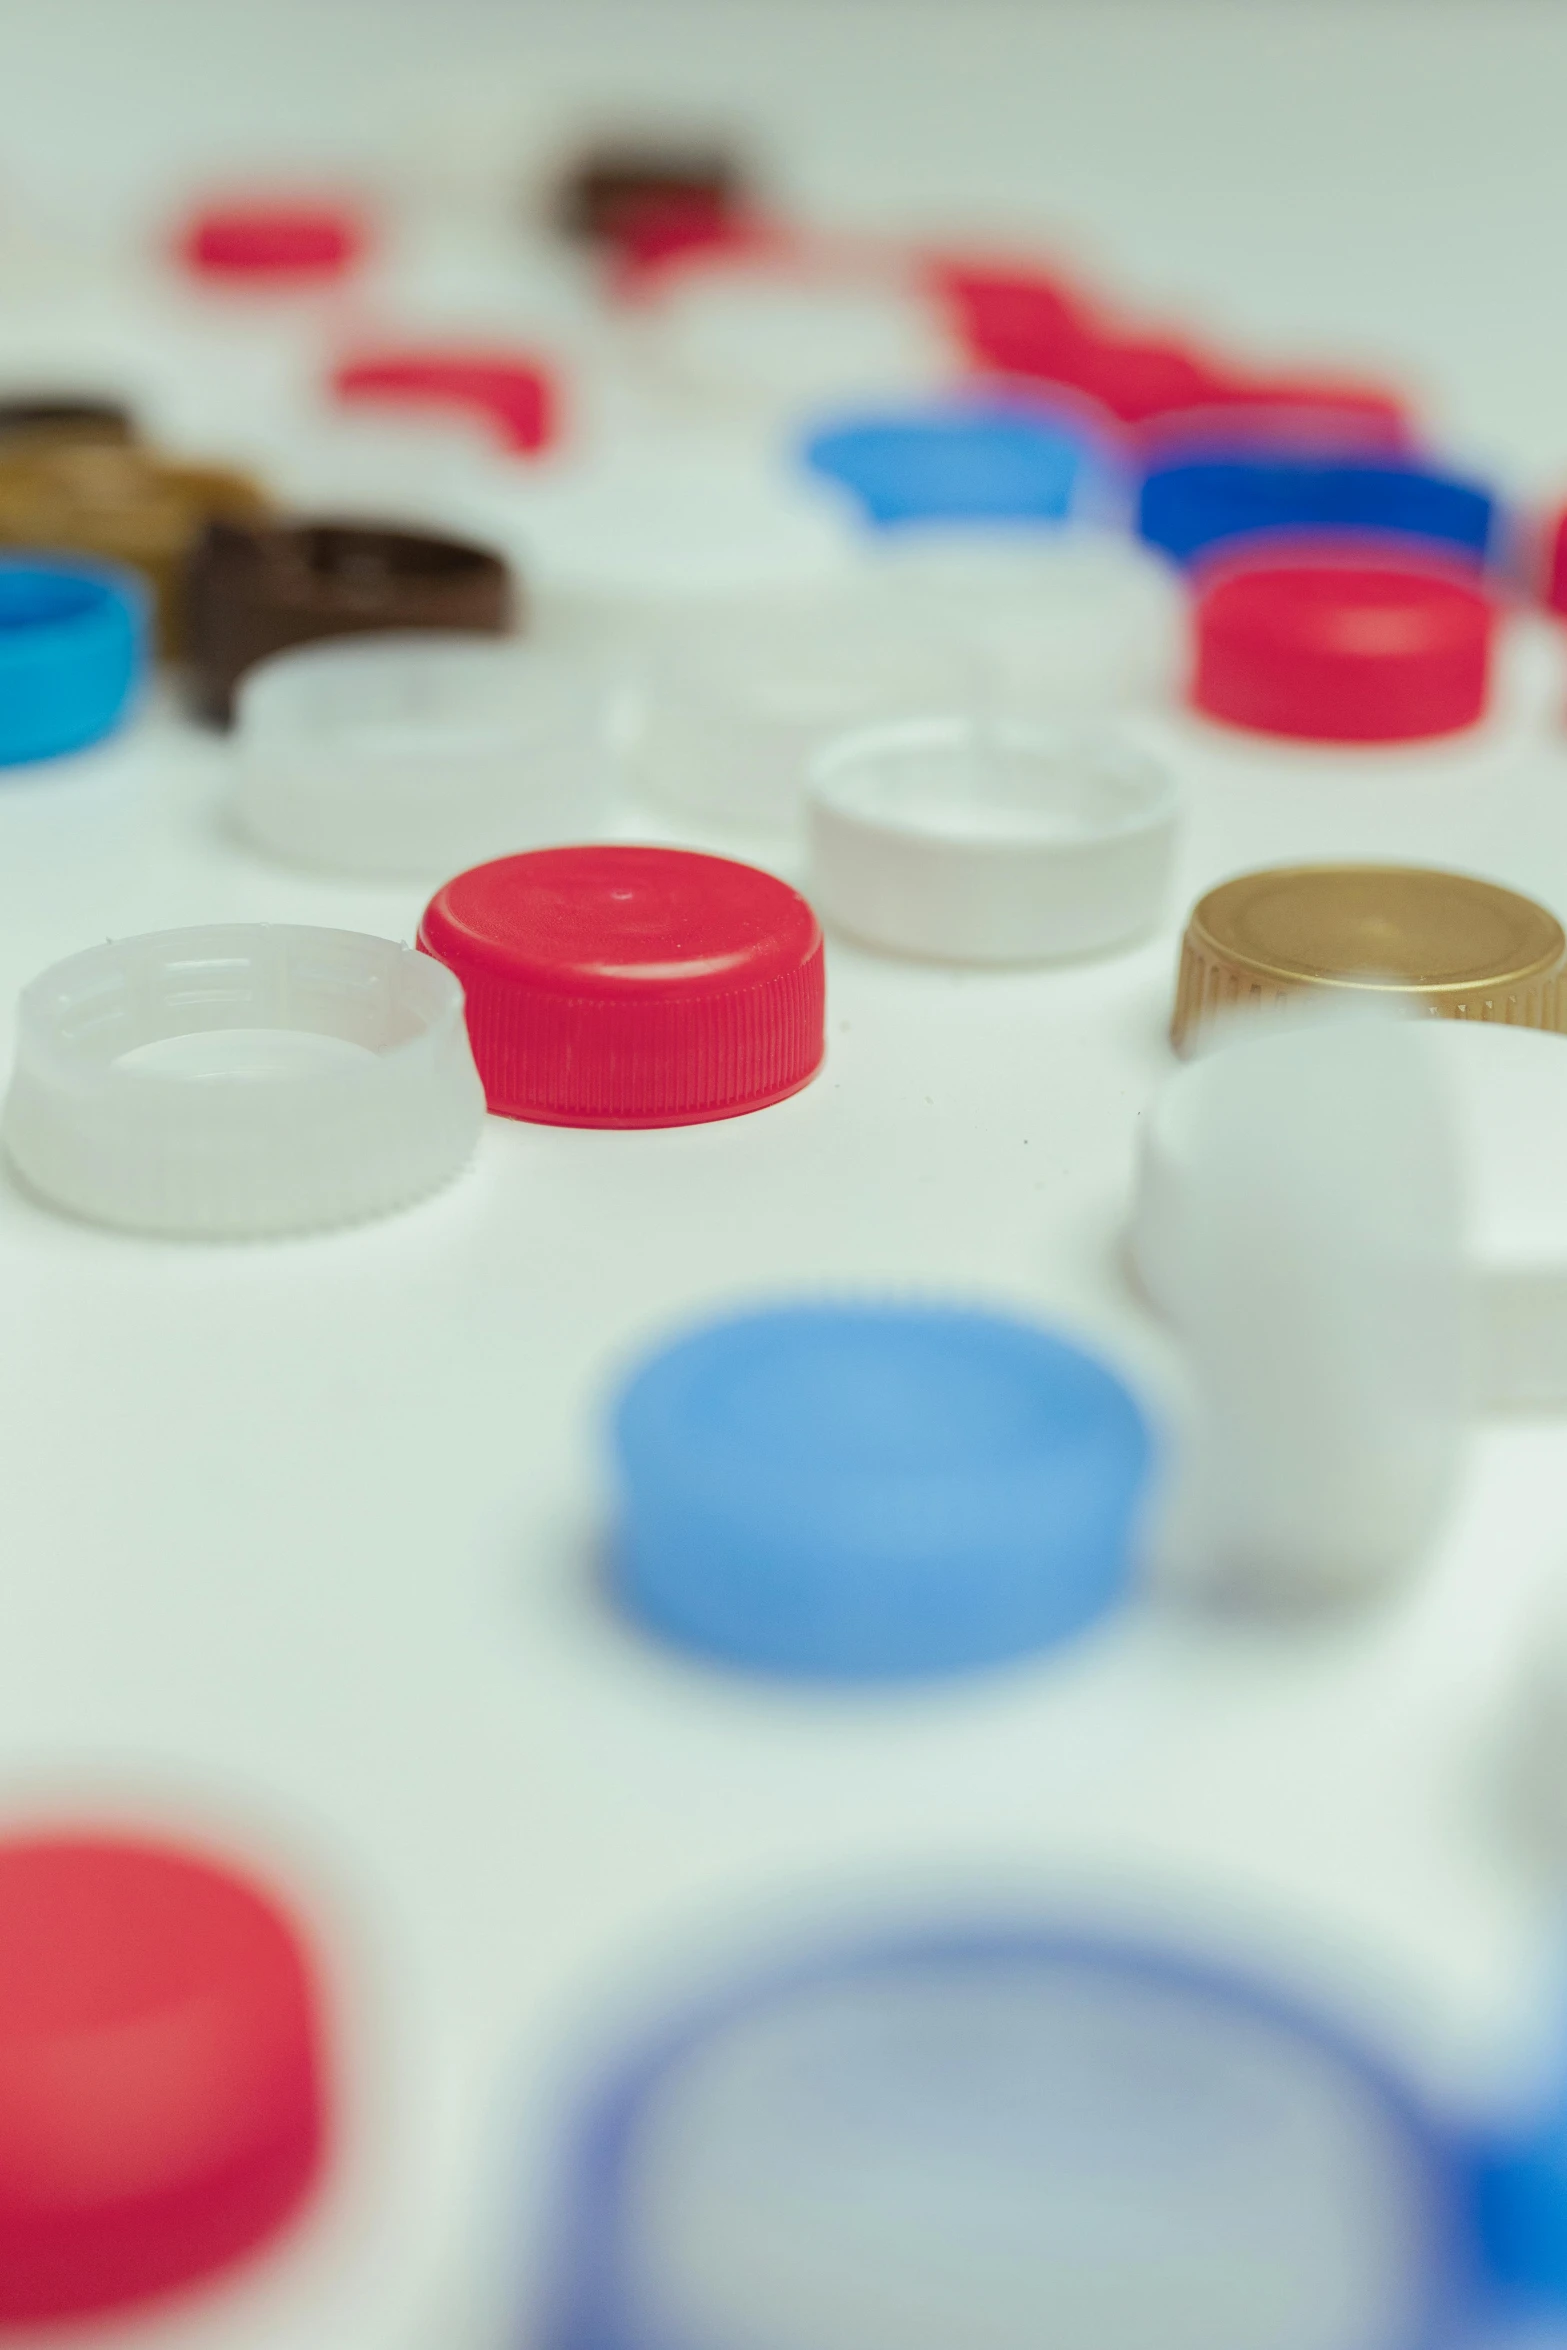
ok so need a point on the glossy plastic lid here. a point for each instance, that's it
(73, 653)
(162, 2106)
(1506, 1091)
(780, 328)
(241, 1080)
(412, 754)
(274, 240)
(965, 463)
(858, 1492)
(1306, 1231)
(626, 986)
(989, 842)
(1421, 939)
(513, 395)
(1059, 623)
(1003, 2138)
(1334, 651)
(736, 702)
(1197, 503)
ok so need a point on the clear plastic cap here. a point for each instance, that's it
(1301, 1210)
(416, 755)
(736, 702)
(241, 1080)
(1004, 2142)
(780, 335)
(990, 841)
(1064, 623)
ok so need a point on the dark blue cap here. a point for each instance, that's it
(861, 1491)
(1011, 2134)
(972, 461)
(1190, 507)
(73, 648)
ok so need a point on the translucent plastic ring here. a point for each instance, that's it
(420, 754)
(241, 1080)
(989, 842)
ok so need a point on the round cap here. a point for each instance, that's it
(162, 2107)
(410, 755)
(787, 328)
(73, 650)
(273, 241)
(1343, 652)
(934, 2140)
(866, 1492)
(241, 1080)
(124, 504)
(613, 546)
(1203, 502)
(625, 186)
(1506, 1089)
(989, 843)
(1556, 580)
(737, 702)
(38, 418)
(624, 986)
(1066, 623)
(966, 464)
(1433, 942)
(252, 592)
(513, 395)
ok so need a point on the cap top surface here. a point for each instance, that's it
(623, 921)
(1391, 926)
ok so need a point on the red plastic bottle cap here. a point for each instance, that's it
(621, 986)
(259, 242)
(161, 2102)
(1342, 652)
(513, 394)
(1556, 582)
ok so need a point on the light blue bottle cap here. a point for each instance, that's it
(1204, 502)
(862, 1491)
(73, 649)
(1012, 2138)
(973, 462)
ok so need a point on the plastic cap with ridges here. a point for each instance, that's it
(1432, 942)
(1326, 651)
(863, 1492)
(241, 1080)
(162, 2102)
(629, 986)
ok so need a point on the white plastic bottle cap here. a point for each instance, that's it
(989, 842)
(1064, 623)
(608, 544)
(738, 701)
(418, 755)
(1507, 1090)
(240, 1080)
(1313, 1270)
(781, 334)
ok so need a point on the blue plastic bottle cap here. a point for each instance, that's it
(874, 1491)
(1204, 502)
(1012, 2138)
(73, 648)
(969, 463)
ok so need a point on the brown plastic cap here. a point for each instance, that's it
(253, 592)
(615, 187)
(124, 504)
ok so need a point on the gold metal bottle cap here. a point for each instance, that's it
(1440, 943)
(123, 503)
